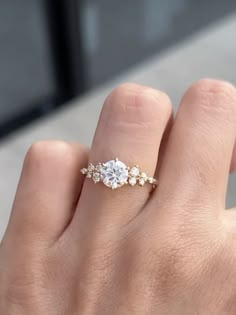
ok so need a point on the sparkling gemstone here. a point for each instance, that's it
(134, 171)
(91, 167)
(132, 181)
(98, 167)
(151, 180)
(144, 176)
(89, 174)
(114, 174)
(84, 171)
(96, 177)
(141, 181)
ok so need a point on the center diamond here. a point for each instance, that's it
(114, 174)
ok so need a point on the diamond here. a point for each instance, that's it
(132, 181)
(134, 172)
(91, 167)
(151, 180)
(89, 175)
(98, 167)
(84, 171)
(96, 177)
(144, 176)
(114, 174)
(141, 181)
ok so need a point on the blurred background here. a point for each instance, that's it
(59, 59)
(52, 51)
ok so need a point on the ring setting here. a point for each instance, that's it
(115, 174)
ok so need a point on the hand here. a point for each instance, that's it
(73, 247)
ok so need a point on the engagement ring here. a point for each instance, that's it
(115, 174)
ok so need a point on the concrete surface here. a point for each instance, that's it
(208, 54)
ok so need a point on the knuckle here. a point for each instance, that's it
(56, 152)
(125, 96)
(132, 99)
(213, 96)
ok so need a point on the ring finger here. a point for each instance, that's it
(130, 128)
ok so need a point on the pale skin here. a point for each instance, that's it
(73, 247)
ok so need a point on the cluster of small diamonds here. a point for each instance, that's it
(138, 177)
(135, 175)
(93, 172)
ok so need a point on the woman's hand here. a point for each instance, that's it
(73, 247)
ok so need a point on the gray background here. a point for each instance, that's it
(116, 34)
(25, 62)
(119, 33)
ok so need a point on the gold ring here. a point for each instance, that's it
(115, 174)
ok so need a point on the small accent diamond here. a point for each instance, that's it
(91, 167)
(144, 176)
(96, 177)
(132, 181)
(134, 172)
(84, 171)
(98, 167)
(151, 180)
(141, 181)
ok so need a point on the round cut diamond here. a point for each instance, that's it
(144, 176)
(151, 180)
(84, 171)
(89, 175)
(114, 174)
(90, 167)
(98, 167)
(132, 181)
(141, 181)
(134, 172)
(96, 177)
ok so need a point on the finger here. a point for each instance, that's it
(131, 126)
(48, 191)
(229, 222)
(233, 162)
(197, 162)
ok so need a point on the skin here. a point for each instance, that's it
(73, 247)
